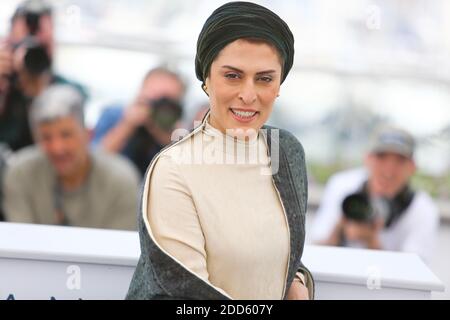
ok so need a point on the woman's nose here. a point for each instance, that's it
(248, 93)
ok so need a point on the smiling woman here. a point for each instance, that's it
(211, 229)
(243, 84)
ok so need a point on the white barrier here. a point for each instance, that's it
(52, 262)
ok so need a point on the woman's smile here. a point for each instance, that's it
(244, 115)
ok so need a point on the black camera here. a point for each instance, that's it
(360, 207)
(36, 59)
(165, 112)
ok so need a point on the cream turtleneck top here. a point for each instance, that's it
(214, 208)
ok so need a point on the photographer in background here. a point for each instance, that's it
(25, 70)
(375, 207)
(60, 180)
(143, 128)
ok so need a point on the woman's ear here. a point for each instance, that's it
(205, 89)
(205, 86)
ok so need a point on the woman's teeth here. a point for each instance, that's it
(243, 114)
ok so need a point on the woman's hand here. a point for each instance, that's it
(297, 291)
(6, 61)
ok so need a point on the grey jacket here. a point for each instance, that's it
(159, 276)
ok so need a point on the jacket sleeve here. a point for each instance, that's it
(303, 193)
(307, 274)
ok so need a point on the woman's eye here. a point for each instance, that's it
(265, 79)
(232, 76)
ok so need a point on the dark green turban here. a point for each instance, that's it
(237, 20)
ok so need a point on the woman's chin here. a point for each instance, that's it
(239, 129)
(236, 125)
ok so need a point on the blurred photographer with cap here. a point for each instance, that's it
(375, 207)
(140, 130)
(26, 69)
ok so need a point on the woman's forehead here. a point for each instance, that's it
(249, 55)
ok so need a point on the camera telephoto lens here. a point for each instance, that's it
(36, 60)
(357, 207)
(165, 112)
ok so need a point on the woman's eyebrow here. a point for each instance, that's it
(233, 68)
(241, 71)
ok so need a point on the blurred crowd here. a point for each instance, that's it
(56, 171)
